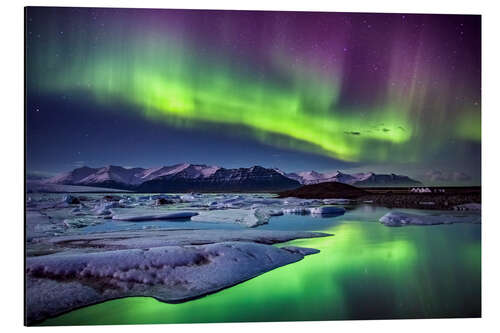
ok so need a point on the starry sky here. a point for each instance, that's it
(295, 90)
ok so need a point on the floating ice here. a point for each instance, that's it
(468, 206)
(315, 211)
(246, 217)
(398, 219)
(169, 273)
(327, 210)
(69, 199)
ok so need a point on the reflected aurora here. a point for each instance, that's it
(362, 262)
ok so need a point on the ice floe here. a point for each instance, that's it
(327, 210)
(246, 217)
(321, 211)
(69, 199)
(166, 265)
(154, 238)
(398, 219)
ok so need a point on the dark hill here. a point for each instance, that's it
(330, 190)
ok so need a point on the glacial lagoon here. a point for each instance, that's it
(366, 270)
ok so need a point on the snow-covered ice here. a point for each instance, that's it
(247, 217)
(321, 211)
(163, 265)
(154, 238)
(398, 219)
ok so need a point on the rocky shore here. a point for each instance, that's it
(421, 200)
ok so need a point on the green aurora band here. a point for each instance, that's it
(295, 105)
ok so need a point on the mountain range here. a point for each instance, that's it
(363, 179)
(204, 178)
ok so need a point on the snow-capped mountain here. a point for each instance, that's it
(186, 169)
(256, 178)
(372, 179)
(204, 178)
(178, 178)
(71, 177)
(357, 179)
(128, 178)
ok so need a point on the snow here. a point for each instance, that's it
(130, 177)
(114, 173)
(169, 273)
(188, 170)
(327, 210)
(246, 217)
(308, 176)
(398, 219)
(71, 177)
(297, 210)
(144, 239)
(153, 173)
(337, 201)
(84, 269)
(313, 177)
(188, 197)
(315, 211)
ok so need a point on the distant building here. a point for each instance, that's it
(420, 190)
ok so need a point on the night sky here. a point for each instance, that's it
(295, 90)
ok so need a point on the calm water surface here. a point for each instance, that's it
(365, 271)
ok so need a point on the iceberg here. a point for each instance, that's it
(327, 210)
(322, 211)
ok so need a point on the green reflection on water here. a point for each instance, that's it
(365, 271)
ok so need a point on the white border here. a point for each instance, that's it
(12, 162)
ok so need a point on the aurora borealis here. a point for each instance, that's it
(286, 89)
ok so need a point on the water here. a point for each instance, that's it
(365, 271)
(112, 225)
